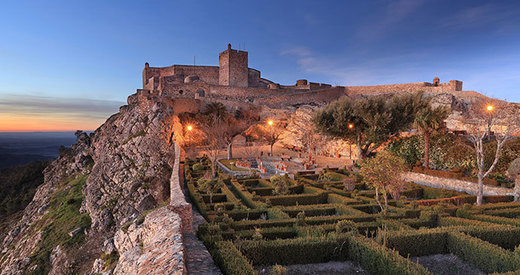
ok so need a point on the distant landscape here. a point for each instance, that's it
(18, 148)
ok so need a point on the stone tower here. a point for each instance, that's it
(233, 68)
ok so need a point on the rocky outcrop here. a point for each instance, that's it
(155, 246)
(22, 241)
(127, 164)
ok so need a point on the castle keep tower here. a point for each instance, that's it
(233, 68)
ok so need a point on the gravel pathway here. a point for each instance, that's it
(198, 259)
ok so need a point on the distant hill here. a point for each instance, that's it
(17, 187)
(22, 148)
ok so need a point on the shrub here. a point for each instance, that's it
(230, 259)
(276, 213)
(300, 219)
(345, 226)
(281, 184)
(278, 270)
(198, 167)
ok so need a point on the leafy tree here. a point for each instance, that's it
(514, 172)
(210, 186)
(482, 119)
(368, 122)
(428, 121)
(383, 173)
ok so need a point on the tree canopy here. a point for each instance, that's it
(368, 122)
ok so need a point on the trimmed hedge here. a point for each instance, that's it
(377, 259)
(335, 198)
(486, 256)
(504, 236)
(310, 212)
(295, 251)
(303, 199)
(241, 192)
(416, 243)
(494, 219)
(231, 261)
(507, 213)
(270, 233)
(249, 214)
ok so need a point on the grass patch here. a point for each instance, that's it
(63, 217)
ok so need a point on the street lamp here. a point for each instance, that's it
(270, 122)
(489, 109)
(350, 127)
(189, 128)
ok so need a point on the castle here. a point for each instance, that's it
(233, 80)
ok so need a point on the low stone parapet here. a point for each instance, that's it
(454, 184)
(178, 202)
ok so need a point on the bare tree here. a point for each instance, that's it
(269, 132)
(215, 131)
(311, 139)
(483, 119)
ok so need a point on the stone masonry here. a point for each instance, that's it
(233, 80)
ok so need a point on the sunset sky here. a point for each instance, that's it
(67, 65)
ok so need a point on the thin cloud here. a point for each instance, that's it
(394, 13)
(296, 50)
(77, 107)
(483, 15)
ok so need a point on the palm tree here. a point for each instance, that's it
(429, 120)
(216, 109)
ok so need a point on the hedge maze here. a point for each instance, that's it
(332, 217)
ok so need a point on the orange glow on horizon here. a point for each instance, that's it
(46, 123)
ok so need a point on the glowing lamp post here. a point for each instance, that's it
(189, 128)
(350, 127)
(489, 109)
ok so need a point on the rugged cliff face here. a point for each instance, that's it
(104, 182)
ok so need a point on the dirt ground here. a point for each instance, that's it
(446, 264)
(278, 150)
(332, 268)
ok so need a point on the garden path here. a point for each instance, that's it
(198, 259)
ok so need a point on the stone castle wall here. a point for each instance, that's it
(450, 87)
(313, 97)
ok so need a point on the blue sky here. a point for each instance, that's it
(77, 61)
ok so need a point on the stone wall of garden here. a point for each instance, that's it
(454, 184)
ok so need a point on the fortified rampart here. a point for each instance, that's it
(435, 87)
(233, 80)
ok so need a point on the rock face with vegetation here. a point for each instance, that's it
(17, 188)
(105, 181)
